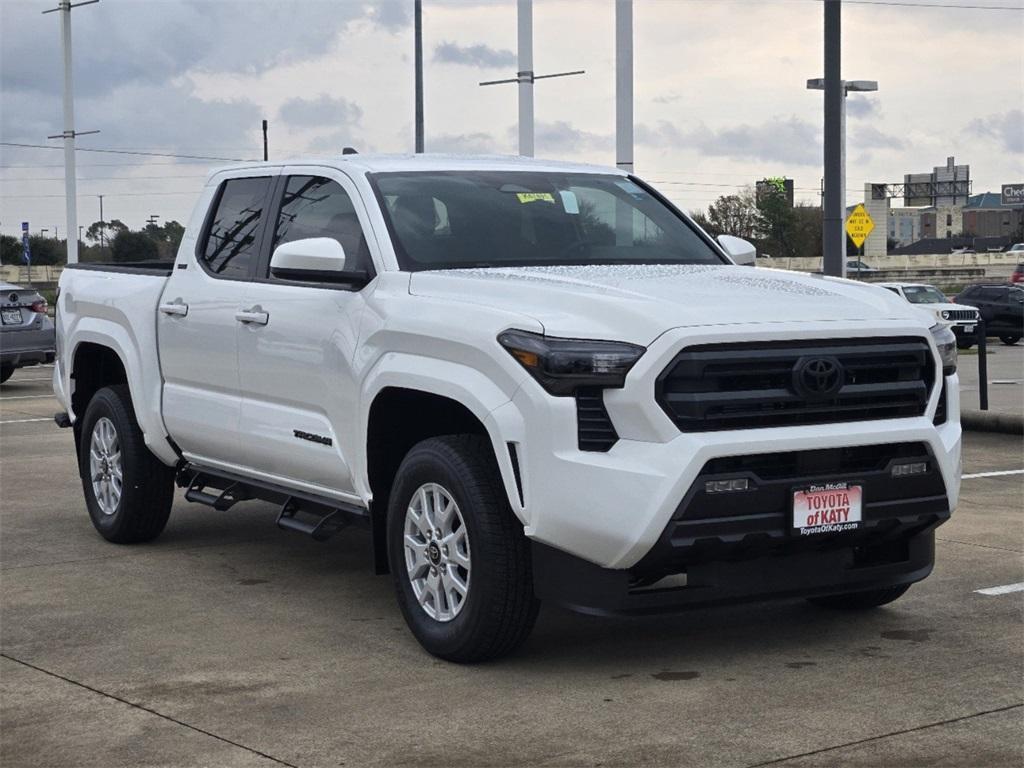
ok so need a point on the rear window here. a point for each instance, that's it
(232, 234)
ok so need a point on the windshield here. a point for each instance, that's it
(924, 294)
(449, 220)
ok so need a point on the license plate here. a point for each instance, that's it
(11, 316)
(966, 328)
(827, 508)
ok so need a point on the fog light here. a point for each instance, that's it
(905, 470)
(724, 486)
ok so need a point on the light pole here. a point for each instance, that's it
(834, 202)
(525, 76)
(103, 225)
(418, 52)
(624, 85)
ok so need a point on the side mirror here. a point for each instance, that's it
(313, 260)
(738, 249)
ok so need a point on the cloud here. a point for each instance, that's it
(862, 107)
(1006, 129)
(869, 137)
(462, 143)
(322, 111)
(474, 55)
(785, 140)
(563, 137)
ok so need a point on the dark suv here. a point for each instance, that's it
(1001, 307)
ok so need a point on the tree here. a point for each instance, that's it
(133, 246)
(10, 250)
(734, 215)
(47, 251)
(113, 227)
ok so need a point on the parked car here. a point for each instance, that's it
(857, 266)
(530, 380)
(1018, 274)
(959, 318)
(1015, 248)
(1001, 307)
(26, 331)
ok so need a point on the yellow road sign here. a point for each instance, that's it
(859, 225)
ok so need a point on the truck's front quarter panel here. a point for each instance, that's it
(613, 508)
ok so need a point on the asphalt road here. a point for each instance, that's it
(1005, 377)
(229, 643)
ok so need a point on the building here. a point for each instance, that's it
(986, 216)
(941, 221)
(946, 186)
(904, 225)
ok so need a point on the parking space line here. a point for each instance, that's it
(24, 397)
(26, 421)
(1003, 590)
(1000, 473)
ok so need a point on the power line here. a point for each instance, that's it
(129, 152)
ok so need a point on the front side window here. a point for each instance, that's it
(451, 220)
(317, 207)
(231, 241)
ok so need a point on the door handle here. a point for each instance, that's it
(176, 307)
(253, 316)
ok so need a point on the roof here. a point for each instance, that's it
(986, 200)
(381, 163)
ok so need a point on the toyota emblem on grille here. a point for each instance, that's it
(818, 377)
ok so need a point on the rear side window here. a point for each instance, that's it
(232, 239)
(317, 207)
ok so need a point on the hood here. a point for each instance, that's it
(640, 302)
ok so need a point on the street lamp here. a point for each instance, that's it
(834, 204)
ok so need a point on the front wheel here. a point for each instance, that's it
(127, 489)
(1009, 340)
(458, 556)
(859, 601)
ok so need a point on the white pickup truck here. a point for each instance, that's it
(530, 380)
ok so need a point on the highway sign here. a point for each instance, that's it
(859, 225)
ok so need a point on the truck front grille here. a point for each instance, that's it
(962, 314)
(750, 385)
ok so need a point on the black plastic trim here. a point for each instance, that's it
(154, 268)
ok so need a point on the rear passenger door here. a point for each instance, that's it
(299, 390)
(197, 321)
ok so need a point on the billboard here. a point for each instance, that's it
(1012, 194)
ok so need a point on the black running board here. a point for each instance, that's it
(317, 516)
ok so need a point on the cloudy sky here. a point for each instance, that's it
(720, 95)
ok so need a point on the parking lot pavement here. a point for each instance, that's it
(227, 642)
(1005, 378)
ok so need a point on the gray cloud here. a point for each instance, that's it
(790, 140)
(869, 137)
(322, 111)
(862, 107)
(469, 143)
(563, 137)
(1006, 129)
(474, 55)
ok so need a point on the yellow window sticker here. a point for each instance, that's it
(532, 197)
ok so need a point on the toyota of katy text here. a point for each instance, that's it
(530, 381)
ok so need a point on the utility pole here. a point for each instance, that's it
(103, 226)
(834, 185)
(152, 219)
(525, 76)
(70, 193)
(266, 153)
(418, 33)
(624, 85)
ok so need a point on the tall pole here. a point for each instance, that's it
(624, 85)
(833, 238)
(70, 191)
(103, 226)
(266, 147)
(525, 77)
(418, 29)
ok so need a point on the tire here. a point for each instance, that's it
(1009, 340)
(498, 608)
(860, 601)
(139, 512)
(6, 371)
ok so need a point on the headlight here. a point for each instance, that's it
(946, 342)
(945, 314)
(562, 366)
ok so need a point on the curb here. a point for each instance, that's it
(987, 421)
